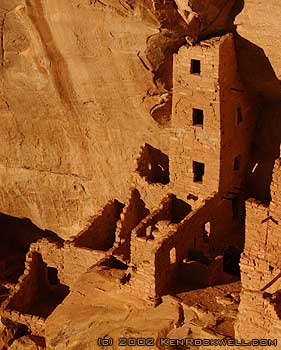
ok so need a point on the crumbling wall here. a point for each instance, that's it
(100, 233)
(77, 261)
(153, 165)
(16, 236)
(15, 307)
(151, 175)
(217, 212)
(275, 189)
(190, 242)
(257, 317)
(133, 212)
(139, 235)
(51, 253)
(69, 260)
(35, 324)
(261, 268)
(28, 288)
(38, 291)
(145, 242)
(143, 280)
(253, 262)
(159, 255)
(166, 266)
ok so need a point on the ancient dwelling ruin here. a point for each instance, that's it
(197, 228)
(211, 126)
(183, 224)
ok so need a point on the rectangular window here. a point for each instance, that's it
(236, 163)
(197, 117)
(198, 171)
(195, 67)
(206, 231)
(173, 256)
(235, 208)
(239, 117)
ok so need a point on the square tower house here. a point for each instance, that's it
(212, 121)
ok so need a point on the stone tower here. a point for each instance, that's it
(211, 119)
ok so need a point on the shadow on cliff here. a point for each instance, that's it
(16, 236)
(262, 82)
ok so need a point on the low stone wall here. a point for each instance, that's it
(22, 296)
(69, 260)
(132, 214)
(35, 324)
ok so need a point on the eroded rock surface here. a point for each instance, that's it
(130, 144)
(74, 88)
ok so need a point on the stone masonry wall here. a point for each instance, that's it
(70, 261)
(15, 307)
(189, 235)
(143, 251)
(139, 241)
(190, 142)
(259, 310)
(133, 212)
(28, 287)
(158, 260)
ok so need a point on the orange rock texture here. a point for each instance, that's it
(140, 176)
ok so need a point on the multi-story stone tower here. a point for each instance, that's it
(211, 119)
(211, 127)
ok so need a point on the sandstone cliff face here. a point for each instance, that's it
(86, 96)
(78, 81)
(258, 23)
(72, 90)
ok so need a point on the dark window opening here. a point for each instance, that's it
(195, 67)
(235, 208)
(231, 260)
(113, 263)
(180, 209)
(236, 163)
(198, 171)
(126, 278)
(53, 276)
(198, 255)
(192, 196)
(197, 117)
(153, 165)
(206, 231)
(239, 116)
(149, 232)
(271, 268)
